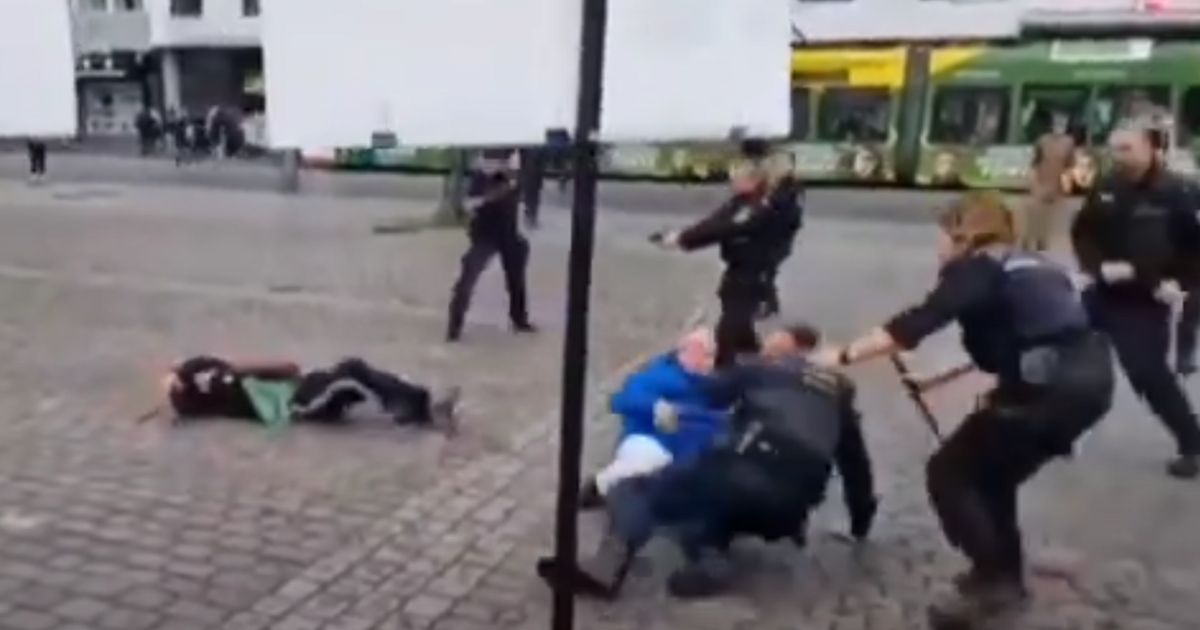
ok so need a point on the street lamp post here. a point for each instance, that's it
(579, 280)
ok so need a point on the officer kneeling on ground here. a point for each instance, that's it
(1023, 321)
(1138, 237)
(792, 420)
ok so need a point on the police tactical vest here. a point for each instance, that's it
(1040, 298)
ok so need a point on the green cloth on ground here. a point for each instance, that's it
(272, 400)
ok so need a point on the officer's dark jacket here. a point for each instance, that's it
(495, 218)
(1006, 302)
(786, 200)
(803, 412)
(795, 403)
(1150, 224)
(746, 229)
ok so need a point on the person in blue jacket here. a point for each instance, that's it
(667, 416)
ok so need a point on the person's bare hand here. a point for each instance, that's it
(827, 356)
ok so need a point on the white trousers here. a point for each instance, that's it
(637, 455)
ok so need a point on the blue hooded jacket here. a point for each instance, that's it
(663, 378)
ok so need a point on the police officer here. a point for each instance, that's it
(1023, 321)
(532, 176)
(792, 420)
(1138, 238)
(493, 230)
(747, 228)
(786, 198)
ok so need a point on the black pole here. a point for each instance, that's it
(579, 281)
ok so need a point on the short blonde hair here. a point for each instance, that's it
(979, 218)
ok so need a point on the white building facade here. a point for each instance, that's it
(185, 56)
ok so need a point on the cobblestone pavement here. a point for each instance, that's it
(110, 523)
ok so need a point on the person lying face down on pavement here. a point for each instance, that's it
(792, 421)
(666, 415)
(279, 391)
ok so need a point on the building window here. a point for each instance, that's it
(251, 8)
(97, 6)
(970, 115)
(129, 5)
(187, 8)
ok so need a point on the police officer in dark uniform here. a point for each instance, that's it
(1138, 238)
(493, 230)
(793, 421)
(786, 198)
(747, 228)
(1023, 321)
(532, 178)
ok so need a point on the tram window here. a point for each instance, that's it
(800, 112)
(1189, 116)
(1114, 104)
(969, 115)
(1039, 104)
(855, 115)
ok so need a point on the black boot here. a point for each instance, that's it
(977, 602)
(524, 328)
(599, 576)
(861, 520)
(1184, 467)
(707, 576)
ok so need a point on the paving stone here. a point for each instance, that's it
(128, 619)
(82, 609)
(427, 606)
(148, 597)
(21, 619)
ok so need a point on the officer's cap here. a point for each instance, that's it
(979, 218)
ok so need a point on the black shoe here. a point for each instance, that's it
(708, 577)
(453, 334)
(1184, 467)
(862, 519)
(524, 328)
(601, 575)
(1185, 367)
(590, 497)
(979, 602)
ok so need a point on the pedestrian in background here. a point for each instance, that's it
(37, 159)
(1052, 157)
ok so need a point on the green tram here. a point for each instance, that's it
(936, 116)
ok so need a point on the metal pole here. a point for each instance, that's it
(579, 280)
(289, 176)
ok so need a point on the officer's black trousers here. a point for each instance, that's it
(37, 157)
(973, 479)
(741, 296)
(1186, 329)
(1141, 334)
(514, 257)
